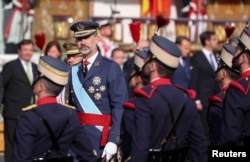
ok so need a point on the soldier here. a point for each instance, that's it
(135, 82)
(98, 90)
(105, 43)
(73, 54)
(33, 139)
(73, 57)
(236, 103)
(224, 75)
(158, 105)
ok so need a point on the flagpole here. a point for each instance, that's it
(197, 22)
(22, 21)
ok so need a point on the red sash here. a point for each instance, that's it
(97, 120)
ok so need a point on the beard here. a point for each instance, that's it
(145, 76)
(85, 50)
(236, 65)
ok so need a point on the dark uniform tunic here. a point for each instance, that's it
(127, 127)
(153, 121)
(105, 85)
(33, 139)
(236, 110)
(215, 117)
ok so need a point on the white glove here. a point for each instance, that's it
(109, 150)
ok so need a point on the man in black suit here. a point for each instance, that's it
(203, 67)
(181, 75)
(18, 76)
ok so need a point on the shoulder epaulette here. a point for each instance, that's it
(68, 106)
(191, 93)
(129, 104)
(29, 107)
(146, 91)
(242, 85)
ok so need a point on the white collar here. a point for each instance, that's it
(91, 60)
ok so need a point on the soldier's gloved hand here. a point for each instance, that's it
(109, 150)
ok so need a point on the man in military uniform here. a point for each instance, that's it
(135, 82)
(224, 75)
(98, 90)
(236, 103)
(105, 43)
(158, 105)
(72, 52)
(73, 57)
(32, 138)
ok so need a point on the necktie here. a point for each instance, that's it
(186, 66)
(85, 67)
(28, 72)
(212, 62)
(29, 75)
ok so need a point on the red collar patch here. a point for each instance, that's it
(46, 100)
(161, 81)
(245, 74)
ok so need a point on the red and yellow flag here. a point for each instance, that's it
(152, 8)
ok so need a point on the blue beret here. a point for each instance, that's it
(53, 69)
(84, 28)
(165, 51)
(227, 53)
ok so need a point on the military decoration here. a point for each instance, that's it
(91, 89)
(96, 89)
(98, 96)
(96, 80)
(102, 88)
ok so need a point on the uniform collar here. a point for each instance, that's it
(245, 73)
(91, 60)
(46, 100)
(224, 89)
(161, 81)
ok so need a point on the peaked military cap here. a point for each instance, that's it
(71, 48)
(245, 37)
(84, 28)
(53, 69)
(105, 22)
(140, 59)
(227, 53)
(165, 51)
(234, 40)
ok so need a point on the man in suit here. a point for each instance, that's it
(181, 75)
(202, 74)
(119, 56)
(18, 76)
(236, 107)
(158, 105)
(98, 90)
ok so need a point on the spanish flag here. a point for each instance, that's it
(152, 8)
